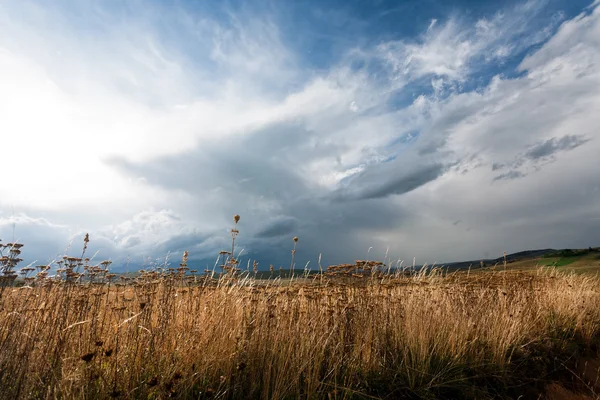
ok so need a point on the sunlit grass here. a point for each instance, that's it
(360, 330)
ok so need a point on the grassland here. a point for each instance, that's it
(426, 336)
(578, 261)
(353, 331)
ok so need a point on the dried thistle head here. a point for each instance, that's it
(295, 239)
(236, 218)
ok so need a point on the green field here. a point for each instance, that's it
(561, 261)
(577, 261)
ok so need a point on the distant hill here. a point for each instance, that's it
(519, 256)
(522, 256)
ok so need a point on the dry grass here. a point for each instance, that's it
(353, 331)
(162, 335)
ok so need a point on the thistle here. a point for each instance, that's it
(232, 262)
(293, 254)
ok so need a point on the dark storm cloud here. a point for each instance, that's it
(267, 166)
(376, 184)
(404, 184)
(339, 231)
(552, 146)
(278, 226)
(256, 164)
(182, 242)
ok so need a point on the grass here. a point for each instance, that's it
(577, 261)
(560, 261)
(568, 257)
(354, 331)
(420, 336)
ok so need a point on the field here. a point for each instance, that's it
(350, 331)
(429, 335)
(579, 261)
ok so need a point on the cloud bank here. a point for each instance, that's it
(149, 127)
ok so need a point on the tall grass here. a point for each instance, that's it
(357, 330)
(171, 335)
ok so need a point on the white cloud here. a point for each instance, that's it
(454, 50)
(548, 205)
(147, 228)
(432, 24)
(575, 42)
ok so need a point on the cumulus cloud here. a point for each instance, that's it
(154, 142)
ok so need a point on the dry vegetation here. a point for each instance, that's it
(342, 334)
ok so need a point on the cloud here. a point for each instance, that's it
(45, 242)
(454, 50)
(154, 137)
(277, 227)
(551, 146)
(401, 182)
(510, 175)
(539, 154)
(160, 232)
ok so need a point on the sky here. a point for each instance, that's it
(427, 130)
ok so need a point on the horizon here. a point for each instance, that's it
(427, 129)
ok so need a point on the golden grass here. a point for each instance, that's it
(166, 335)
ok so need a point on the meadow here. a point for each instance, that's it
(354, 331)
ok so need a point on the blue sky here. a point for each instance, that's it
(442, 130)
